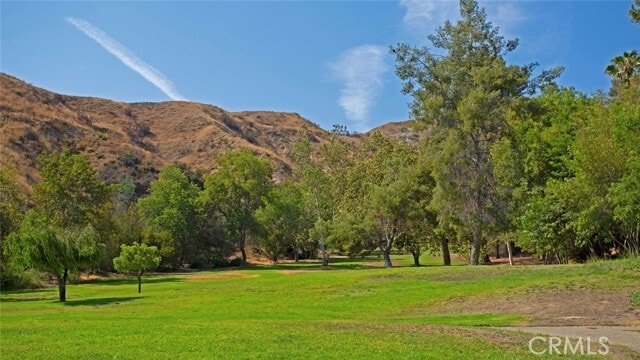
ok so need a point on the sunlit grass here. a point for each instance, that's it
(285, 311)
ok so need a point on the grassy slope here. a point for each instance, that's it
(288, 311)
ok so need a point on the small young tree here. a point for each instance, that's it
(137, 258)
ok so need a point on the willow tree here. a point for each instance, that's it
(464, 91)
(57, 235)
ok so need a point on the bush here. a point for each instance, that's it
(27, 279)
(635, 298)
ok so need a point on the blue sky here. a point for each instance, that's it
(326, 60)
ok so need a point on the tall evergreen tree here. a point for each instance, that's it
(463, 94)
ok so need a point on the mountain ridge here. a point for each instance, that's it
(137, 139)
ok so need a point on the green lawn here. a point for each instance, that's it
(288, 311)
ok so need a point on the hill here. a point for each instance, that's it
(138, 139)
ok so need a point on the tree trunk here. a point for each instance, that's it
(416, 258)
(476, 246)
(446, 255)
(510, 253)
(325, 256)
(387, 257)
(242, 248)
(62, 286)
(139, 282)
(497, 250)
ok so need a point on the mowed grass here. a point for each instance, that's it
(289, 311)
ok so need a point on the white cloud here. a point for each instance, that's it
(127, 57)
(360, 70)
(506, 15)
(424, 16)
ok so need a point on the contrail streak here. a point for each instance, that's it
(127, 57)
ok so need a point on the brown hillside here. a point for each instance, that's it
(138, 139)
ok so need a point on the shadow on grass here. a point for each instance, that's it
(131, 280)
(36, 294)
(334, 264)
(101, 301)
(25, 299)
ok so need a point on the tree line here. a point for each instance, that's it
(508, 157)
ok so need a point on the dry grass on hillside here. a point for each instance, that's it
(138, 139)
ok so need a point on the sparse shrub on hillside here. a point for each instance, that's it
(232, 124)
(139, 131)
(635, 298)
(29, 135)
(128, 159)
(83, 118)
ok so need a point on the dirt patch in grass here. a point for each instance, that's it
(626, 336)
(218, 276)
(551, 308)
(294, 272)
(513, 342)
(517, 260)
(308, 270)
(380, 264)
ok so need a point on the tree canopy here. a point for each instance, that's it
(237, 190)
(57, 235)
(463, 95)
(137, 258)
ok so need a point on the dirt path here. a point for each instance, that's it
(621, 335)
(554, 308)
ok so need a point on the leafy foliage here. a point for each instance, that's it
(624, 67)
(463, 95)
(171, 208)
(236, 191)
(58, 252)
(284, 221)
(137, 258)
(69, 193)
(57, 235)
(323, 177)
(634, 12)
(13, 205)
